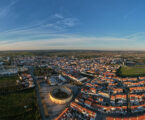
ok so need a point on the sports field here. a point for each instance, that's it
(131, 71)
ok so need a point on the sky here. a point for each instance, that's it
(72, 24)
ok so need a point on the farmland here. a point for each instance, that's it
(19, 106)
(17, 103)
(8, 81)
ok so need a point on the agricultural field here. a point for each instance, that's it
(19, 106)
(8, 81)
(131, 71)
(17, 103)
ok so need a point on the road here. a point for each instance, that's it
(38, 95)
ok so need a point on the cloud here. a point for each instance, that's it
(52, 24)
(6, 9)
(60, 21)
(52, 33)
(58, 16)
(64, 41)
(109, 39)
(70, 22)
(137, 36)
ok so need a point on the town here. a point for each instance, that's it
(73, 88)
(72, 60)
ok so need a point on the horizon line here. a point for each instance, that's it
(105, 50)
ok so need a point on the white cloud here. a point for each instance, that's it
(64, 22)
(51, 34)
(58, 16)
(70, 22)
(6, 9)
(137, 36)
(63, 42)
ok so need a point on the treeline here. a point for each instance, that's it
(41, 71)
(82, 53)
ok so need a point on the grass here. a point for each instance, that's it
(12, 106)
(131, 71)
(8, 81)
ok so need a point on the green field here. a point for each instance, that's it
(131, 71)
(8, 81)
(12, 106)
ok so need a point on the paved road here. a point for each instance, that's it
(38, 95)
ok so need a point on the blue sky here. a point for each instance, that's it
(72, 24)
